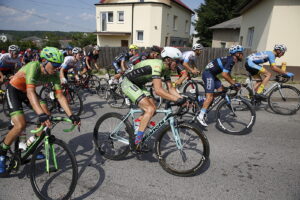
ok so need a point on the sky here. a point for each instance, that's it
(54, 15)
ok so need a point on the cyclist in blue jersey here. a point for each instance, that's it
(253, 67)
(221, 66)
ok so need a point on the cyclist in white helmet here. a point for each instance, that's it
(151, 70)
(253, 67)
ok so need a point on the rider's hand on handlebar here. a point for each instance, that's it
(75, 119)
(45, 120)
(63, 80)
(237, 86)
(195, 71)
(290, 74)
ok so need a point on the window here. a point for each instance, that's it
(241, 40)
(140, 35)
(110, 17)
(175, 22)
(223, 44)
(121, 16)
(103, 21)
(250, 36)
(186, 26)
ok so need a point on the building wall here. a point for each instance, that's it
(112, 40)
(285, 29)
(259, 17)
(229, 36)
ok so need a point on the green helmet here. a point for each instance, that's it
(52, 54)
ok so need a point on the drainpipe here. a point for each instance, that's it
(132, 11)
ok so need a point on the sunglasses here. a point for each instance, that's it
(56, 65)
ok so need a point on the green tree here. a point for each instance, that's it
(83, 39)
(213, 12)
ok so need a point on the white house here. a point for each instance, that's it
(143, 22)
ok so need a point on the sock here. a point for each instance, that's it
(139, 137)
(260, 89)
(202, 113)
(3, 149)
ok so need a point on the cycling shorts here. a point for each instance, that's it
(211, 82)
(253, 68)
(15, 98)
(117, 67)
(134, 92)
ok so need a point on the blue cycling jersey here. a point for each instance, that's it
(261, 57)
(219, 65)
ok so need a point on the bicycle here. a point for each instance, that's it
(234, 115)
(181, 148)
(59, 161)
(74, 100)
(86, 81)
(192, 86)
(282, 99)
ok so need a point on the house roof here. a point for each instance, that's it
(179, 2)
(247, 5)
(234, 23)
(31, 38)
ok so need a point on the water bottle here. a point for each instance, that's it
(201, 99)
(30, 141)
(151, 124)
(248, 81)
(22, 141)
(137, 123)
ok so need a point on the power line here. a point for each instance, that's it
(45, 18)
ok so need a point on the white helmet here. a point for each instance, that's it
(76, 50)
(14, 48)
(171, 52)
(280, 47)
(197, 46)
(97, 48)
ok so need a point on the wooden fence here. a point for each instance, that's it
(108, 54)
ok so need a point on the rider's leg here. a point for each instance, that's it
(19, 126)
(265, 81)
(258, 81)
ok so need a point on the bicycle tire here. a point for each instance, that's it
(107, 145)
(163, 158)
(103, 87)
(235, 124)
(283, 110)
(115, 98)
(192, 85)
(41, 191)
(94, 84)
(45, 96)
(71, 97)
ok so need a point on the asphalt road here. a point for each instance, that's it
(264, 164)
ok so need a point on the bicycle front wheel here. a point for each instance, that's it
(186, 158)
(61, 179)
(103, 87)
(74, 100)
(238, 116)
(284, 100)
(193, 85)
(112, 136)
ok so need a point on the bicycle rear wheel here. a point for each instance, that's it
(103, 87)
(192, 85)
(284, 100)
(94, 84)
(186, 161)
(237, 117)
(115, 97)
(112, 136)
(74, 100)
(61, 181)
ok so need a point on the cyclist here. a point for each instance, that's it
(253, 67)
(71, 62)
(8, 61)
(92, 56)
(22, 88)
(28, 56)
(188, 63)
(218, 66)
(151, 70)
(119, 62)
(152, 54)
(68, 51)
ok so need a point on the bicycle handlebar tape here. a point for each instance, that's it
(180, 101)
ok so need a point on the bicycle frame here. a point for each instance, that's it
(148, 133)
(267, 91)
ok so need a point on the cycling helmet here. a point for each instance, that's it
(171, 52)
(280, 47)
(235, 49)
(76, 50)
(14, 48)
(197, 46)
(156, 49)
(133, 46)
(28, 50)
(52, 54)
(97, 48)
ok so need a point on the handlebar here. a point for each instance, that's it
(56, 119)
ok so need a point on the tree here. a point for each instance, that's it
(83, 39)
(213, 12)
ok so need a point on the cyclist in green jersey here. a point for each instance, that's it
(151, 70)
(21, 88)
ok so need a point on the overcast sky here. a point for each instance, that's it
(54, 15)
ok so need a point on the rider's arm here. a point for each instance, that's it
(61, 73)
(33, 99)
(172, 90)
(123, 66)
(228, 77)
(1, 76)
(63, 102)
(160, 91)
(277, 69)
(87, 62)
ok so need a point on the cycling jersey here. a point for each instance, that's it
(188, 57)
(28, 57)
(8, 63)
(253, 61)
(30, 76)
(90, 56)
(139, 57)
(69, 63)
(117, 61)
(134, 82)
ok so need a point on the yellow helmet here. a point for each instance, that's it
(133, 46)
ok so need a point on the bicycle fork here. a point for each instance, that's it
(50, 155)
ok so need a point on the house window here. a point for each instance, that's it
(223, 44)
(140, 35)
(121, 16)
(175, 22)
(103, 21)
(250, 36)
(186, 26)
(110, 17)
